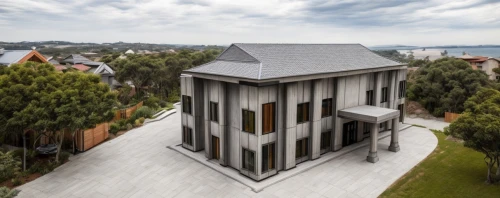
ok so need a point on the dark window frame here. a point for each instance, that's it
(243, 121)
(302, 145)
(301, 108)
(265, 164)
(329, 107)
(187, 136)
(384, 95)
(325, 144)
(366, 128)
(187, 104)
(272, 120)
(369, 97)
(214, 115)
(402, 89)
(243, 164)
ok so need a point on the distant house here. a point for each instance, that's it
(9, 57)
(129, 52)
(427, 54)
(483, 63)
(83, 64)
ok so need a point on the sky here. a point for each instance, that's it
(221, 22)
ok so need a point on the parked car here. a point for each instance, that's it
(47, 149)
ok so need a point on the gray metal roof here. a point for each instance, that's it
(75, 59)
(268, 61)
(12, 56)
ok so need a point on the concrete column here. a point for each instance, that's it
(223, 139)
(291, 125)
(315, 132)
(394, 147)
(372, 154)
(378, 89)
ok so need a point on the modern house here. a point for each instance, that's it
(483, 63)
(264, 108)
(9, 57)
(84, 64)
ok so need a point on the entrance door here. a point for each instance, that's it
(350, 131)
(215, 148)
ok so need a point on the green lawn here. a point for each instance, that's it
(449, 171)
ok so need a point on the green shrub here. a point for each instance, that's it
(122, 123)
(137, 123)
(173, 96)
(9, 166)
(64, 156)
(129, 126)
(163, 103)
(144, 111)
(7, 193)
(114, 128)
(16, 181)
(141, 119)
(152, 102)
(37, 167)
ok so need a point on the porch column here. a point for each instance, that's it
(372, 154)
(394, 147)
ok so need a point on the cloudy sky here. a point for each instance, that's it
(378, 22)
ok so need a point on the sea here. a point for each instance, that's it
(452, 51)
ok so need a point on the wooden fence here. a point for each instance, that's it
(91, 137)
(450, 117)
(126, 113)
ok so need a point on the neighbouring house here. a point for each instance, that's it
(83, 64)
(129, 52)
(483, 63)
(9, 57)
(264, 108)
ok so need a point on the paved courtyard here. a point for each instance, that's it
(138, 164)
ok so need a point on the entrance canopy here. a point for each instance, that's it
(370, 114)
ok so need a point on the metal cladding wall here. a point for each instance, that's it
(193, 87)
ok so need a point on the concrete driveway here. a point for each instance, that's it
(138, 164)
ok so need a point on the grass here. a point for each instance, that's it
(417, 125)
(451, 170)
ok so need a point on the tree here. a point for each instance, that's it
(445, 84)
(479, 127)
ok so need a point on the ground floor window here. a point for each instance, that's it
(366, 128)
(267, 157)
(187, 136)
(301, 149)
(325, 140)
(248, 160)
(381, 126)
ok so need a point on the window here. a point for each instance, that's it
(214, 111)
(381, 126)
(366, 128)
(402, 89)
(369, 97)
(301, 148)
(268, 118)
(248, 160)
(187, 135)
(186, 104)
(384, 95)
(248, 121)
(302, 112)
(326, 107)
(325, 140)
(267, 157)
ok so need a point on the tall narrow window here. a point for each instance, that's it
(248, 121)
(301, 149)
(326, 107)
(369, 97)
(402, 89)
(325, 140)
(366, 128)
(302, 112)
(187, 136)
(248, 160)
(214, 111)
(186, 104)
(384, 95)
(267, 157)
(268, 118)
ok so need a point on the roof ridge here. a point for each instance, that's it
(371, 51)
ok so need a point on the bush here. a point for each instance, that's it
(8, 193)
(152, 102)
(64, 156)
(163, 103)
(114, 128)
(173, 96)
(9, 166)
(122, 123)
(137, 123)
(141, 119)
(16, 181)
(129, 126)
(144, 111)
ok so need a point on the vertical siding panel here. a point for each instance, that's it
(291, 123)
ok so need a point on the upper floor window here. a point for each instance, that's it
(402, 89)
(268, 118)
(302, 112)
(384, 95)
(369, 97)
(326, 107)
(186, 104)
(248, 122)
(214, 111)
